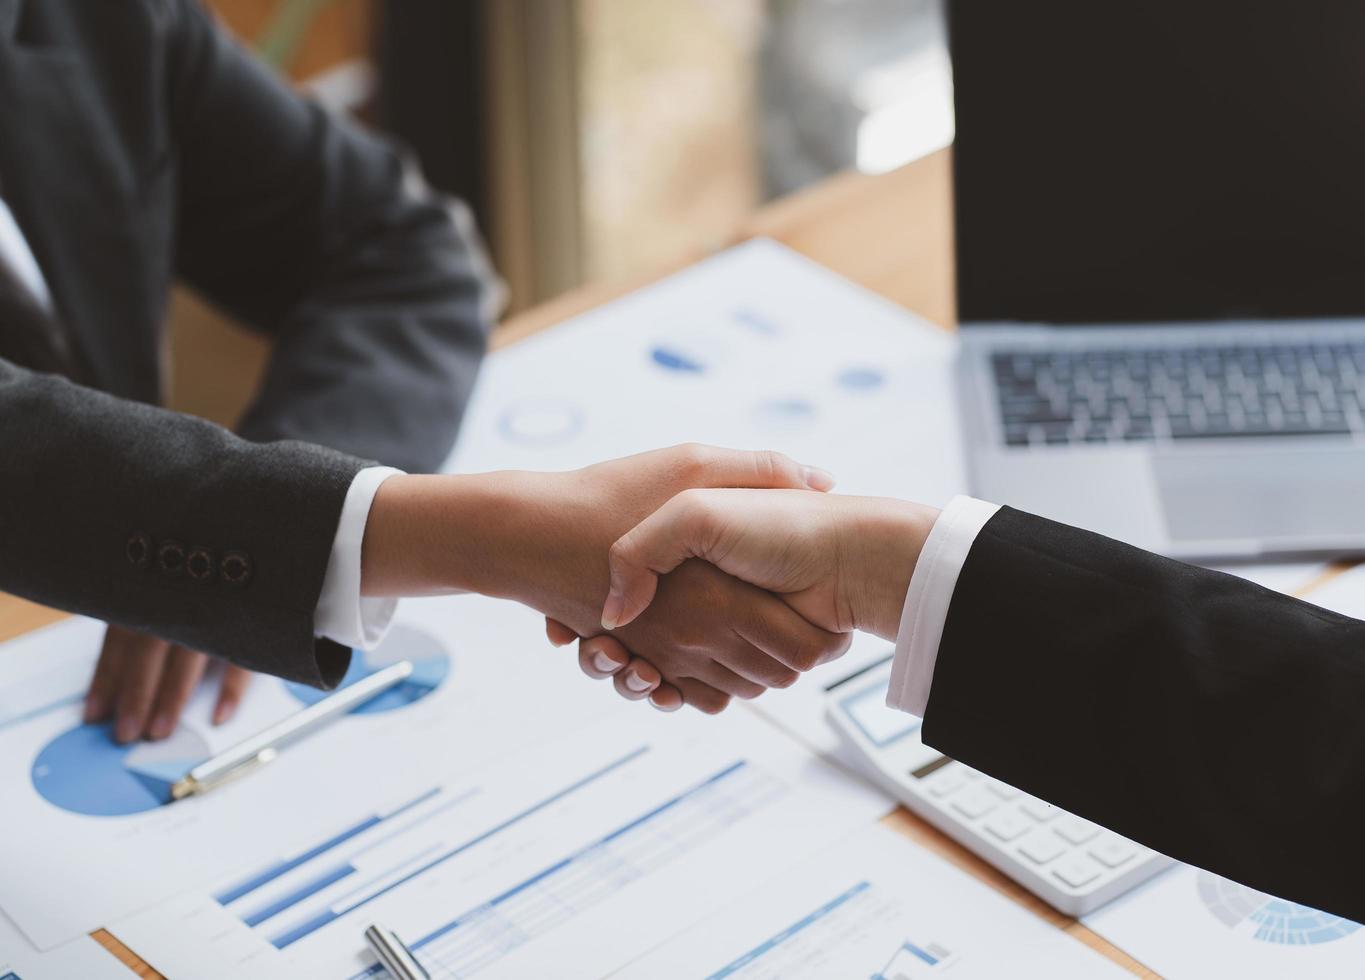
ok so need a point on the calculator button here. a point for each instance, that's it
(1113, 850)
(1077, 870)
(949, 782)
(1038, 810)
(1008, 824)
(1075, 830)
(1041, 847)
(1002, 790)
(975, 802)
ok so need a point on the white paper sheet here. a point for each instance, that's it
(1187, 923)
(80, 959)
(567, 860)
(874, 905)
(85, 842)
(1344, 594)
(755, 348)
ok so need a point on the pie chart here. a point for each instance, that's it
(85, 771)
(430, 667)
(1269, 919)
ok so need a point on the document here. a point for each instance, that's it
(1187, 923)
(874, 905)
(754, 348)
(80, 959)
(568, 859)
(89, 836)
(1344, 594)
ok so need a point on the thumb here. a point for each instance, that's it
(685, 527)
(762, 470)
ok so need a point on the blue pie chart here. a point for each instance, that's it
(85, 771)
(430, 667)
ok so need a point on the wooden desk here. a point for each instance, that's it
(892, 234)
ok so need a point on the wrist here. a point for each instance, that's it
(888, 539)
(437, 535)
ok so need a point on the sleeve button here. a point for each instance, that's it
(235, 568)
(199, 565)
(138, 551)
(170, 557)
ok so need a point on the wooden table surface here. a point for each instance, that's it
(891, 233)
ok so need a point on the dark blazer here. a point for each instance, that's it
(1209, 718)
(139, 144)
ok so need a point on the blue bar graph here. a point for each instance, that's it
(330, 914)
(262, 878)
(778, 939)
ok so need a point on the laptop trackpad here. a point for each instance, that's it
(1309, 497)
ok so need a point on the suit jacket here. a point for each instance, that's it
(1209, 718)
(139, 144)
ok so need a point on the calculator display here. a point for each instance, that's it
(878, 723)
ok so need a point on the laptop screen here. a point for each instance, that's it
(1159, 160)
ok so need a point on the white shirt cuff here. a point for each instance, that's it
(343, 614)
(928, 598)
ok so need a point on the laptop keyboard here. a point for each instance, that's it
(1146, 394)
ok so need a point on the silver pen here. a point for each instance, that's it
(393, 955)
(261, 748)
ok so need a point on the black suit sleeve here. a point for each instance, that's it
(1209, 718)
(168, 524)
(376, 291)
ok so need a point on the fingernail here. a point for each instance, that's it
(818, 479)
(94, 708)
(636, 683)
(161, 726)
(604, 663)
(666, 708)
(127, 729)
(611, 612)
(224, 712)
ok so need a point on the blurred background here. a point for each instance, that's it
(598, 140)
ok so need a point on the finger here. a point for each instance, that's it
(179, 676)
(602, 656)
(100, 698)
(725, 680)
(559, 634)
(756, 664)
(711, 466)
(687, 526)
(781, 633)
(702, 696)
(145, 659)
(666, 697)
(231, 690)
(637, 681)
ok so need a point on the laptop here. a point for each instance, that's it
(1160, 235)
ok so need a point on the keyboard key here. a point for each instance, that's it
(1075, 830)
(946, 783)
(1113, 850)
(975, 802)
(1040, 847)
(1007, 825)
(1040, 811)
(1003, 790)
(1077, 870)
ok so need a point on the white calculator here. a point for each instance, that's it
(1072, 864)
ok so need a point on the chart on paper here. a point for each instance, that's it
(621, 830)
(83, 809)
(1190, 923)
(875, 906)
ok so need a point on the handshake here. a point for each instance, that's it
(690, 575)
(693, 575)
